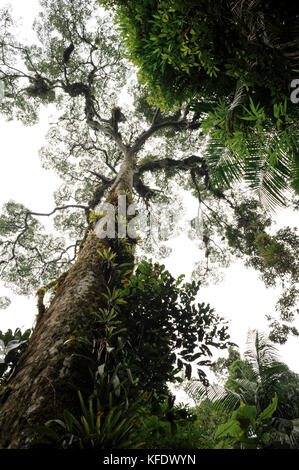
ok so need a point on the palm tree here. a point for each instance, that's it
(266, 375)
(254, 381)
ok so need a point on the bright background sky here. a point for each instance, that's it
(241, 297)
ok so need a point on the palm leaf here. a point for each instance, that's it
(260, 353)
(222, 397)
(270, 166)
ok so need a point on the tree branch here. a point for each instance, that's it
(173, 123)
(59, 208)
(143, 190)
(186, 164)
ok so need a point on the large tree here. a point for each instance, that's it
(76, 65)
(101, 153)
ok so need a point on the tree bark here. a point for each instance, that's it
(48, 374)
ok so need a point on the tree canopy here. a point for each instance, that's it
(234, 64)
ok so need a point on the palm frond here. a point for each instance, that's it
(222, 397)
(270, 182)
(269, 166)
(260, 352)
(239, 98)
(223, 167)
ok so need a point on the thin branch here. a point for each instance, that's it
(59, 208)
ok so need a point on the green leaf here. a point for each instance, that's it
(69, 420)
(58, 421)
(245, 415)
(85, 425)
(231, 428)
(268, 412)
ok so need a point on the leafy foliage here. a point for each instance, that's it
(162, 331)
(186, 55)
(245, 231)
(221, 365)
(248, 429)
(31, 258)
(254, 381)
(164, 426)
(251, 145)
(165, 329)
(180, 50)
(96, 429)
(209, 417)
(144, 319)
(274, 256)
(11, 347)
(261, 375)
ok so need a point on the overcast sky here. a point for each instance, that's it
(241, 297)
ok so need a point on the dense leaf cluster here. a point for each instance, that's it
(234, 63)
(167, 331)
(183, 50)
(261, 374)
(256, 380)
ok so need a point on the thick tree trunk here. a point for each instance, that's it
(48, 374)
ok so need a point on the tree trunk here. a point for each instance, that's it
(48, 375)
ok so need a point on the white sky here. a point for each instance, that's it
(241, 297)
